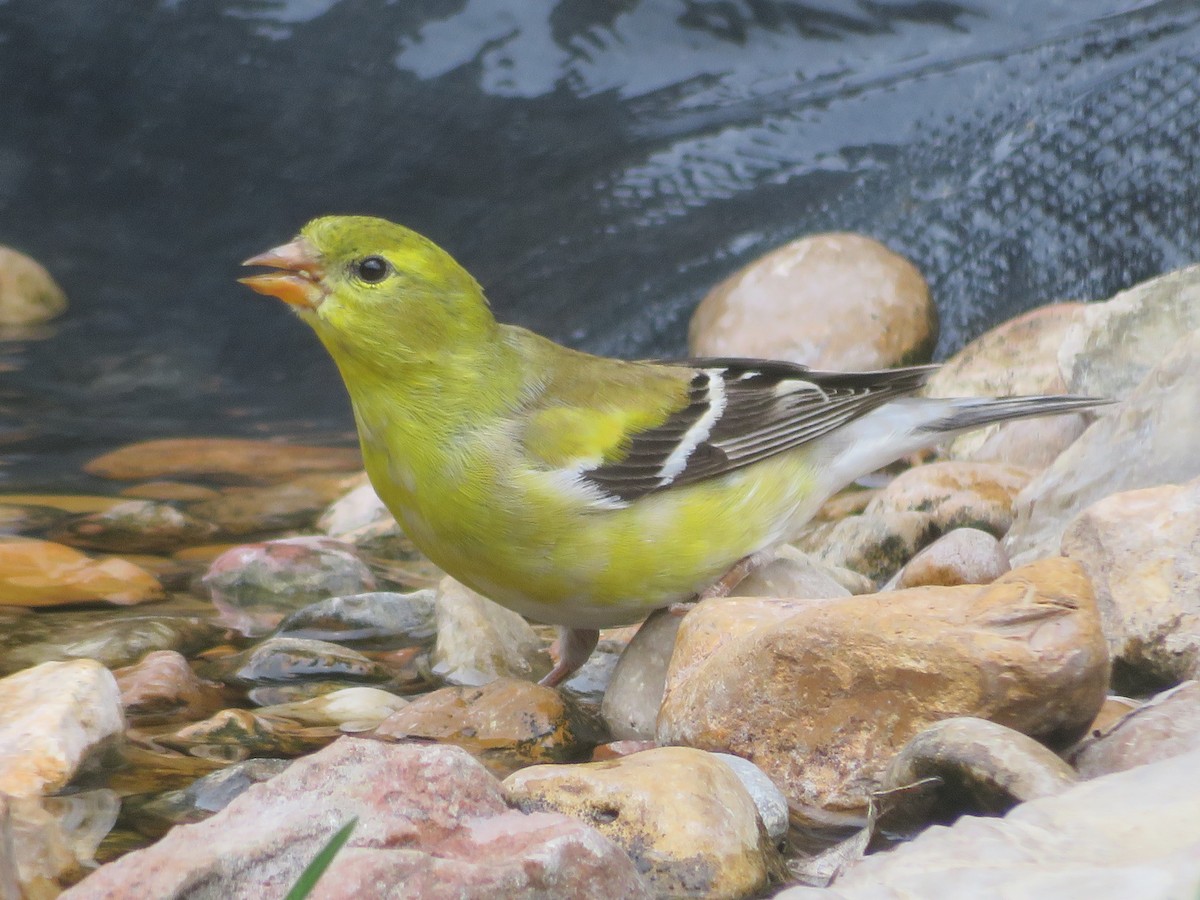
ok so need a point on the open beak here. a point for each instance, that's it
(300, 279)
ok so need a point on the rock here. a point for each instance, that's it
(169, 490)
(227, 460)
(1116, 344)
(956, 494)
(1150, 439)
(590, 682)
(202, 798)
(380, 620)
(874, 545)
(505, 724)
(356, 509)
(43, 573)
(823, 693)
(360, 707)
(961, 556)
(630, 705)
(242, 511)
(479, 641)
(70, 503)
(682, 816)
(28, 294)
(830, 301)
(135, 526)
(1141, 550)
(1132, 834)
(238, 734)
(163, 688)
(114, 643)
(55, 720)
(984, 769)
(52, 840)
(1166, 726)
(432, 823)
(769, 800)
(1114, 709)
(27, 518)
(1017, 357)
(285, 660)
(255, 586)
(792, 573)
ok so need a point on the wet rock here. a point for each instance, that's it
(682, 816)
(479, 641)
(53, 840)
(1149, 439)
(225, 460)
(769, 800)
(1116, 343)
(1132, 834)
(1019, 356)
(956, 494)
(630, 705)
(208, 795)
(169, 490)
(238, 734)
(358, 508)
(163, 688)
(27, 518)
(360, 707)
(284, 660)
(792, 573)
(1166, 726)
(56, 719)
(380, 620)
(505, 724)
(43, 573)
(432, 823)
(591, 681)
(28, 294)
(255, 586)
(823, 693)
(984, 769)
(830, 301)
(253, 510)
(135, 526)
(961, 556)
(114, 643)
(1142, 551)
(875, 545)
(70, 503)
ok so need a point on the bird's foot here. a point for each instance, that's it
(724, 585)
(570, 651)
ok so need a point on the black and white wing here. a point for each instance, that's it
(742, 411)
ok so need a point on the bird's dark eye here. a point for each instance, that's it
(371, 269)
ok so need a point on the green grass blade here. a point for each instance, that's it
(308, 878)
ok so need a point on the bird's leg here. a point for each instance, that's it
(574, 646)
(724, 585)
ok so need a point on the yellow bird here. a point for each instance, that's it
(582, 491)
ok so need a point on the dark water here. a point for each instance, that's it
(596, 164)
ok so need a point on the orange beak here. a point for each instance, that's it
(300, 279)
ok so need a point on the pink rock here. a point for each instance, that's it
(432, 824)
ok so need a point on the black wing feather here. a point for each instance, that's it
(770, 407)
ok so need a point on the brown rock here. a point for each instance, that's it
(42, 573)
(163, 688)
(431, 824)
(505, 724)
(169, 490)
(1114, 709)
(293, 504)
(823, 698)
(221, 459)
(956, 494)
(685, 819)
(1019, 356)
(830, 301)
(28, 295)
(1142, 551)
(72, 503)
(961, 556)
(1166, 726)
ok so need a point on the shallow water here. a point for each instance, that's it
(597, 166)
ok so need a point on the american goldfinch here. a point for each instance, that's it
(581, 491)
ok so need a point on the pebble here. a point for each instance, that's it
(135, 526)
(44, 573)
(28, 293)
(163, 688)
(1165, 726)
(829, 301)
(378, 620)
(479, 641)
(961, 556)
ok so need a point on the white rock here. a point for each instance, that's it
(479, 641)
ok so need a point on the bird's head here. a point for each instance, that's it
(374, 290)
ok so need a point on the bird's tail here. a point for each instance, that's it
(966, 414)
